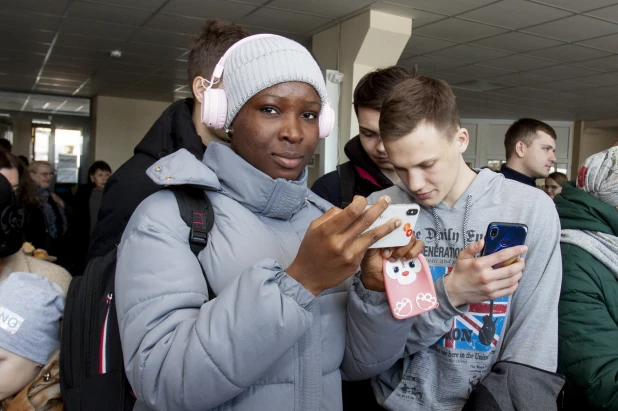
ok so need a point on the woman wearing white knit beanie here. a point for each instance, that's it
(278, 258)
(588, 310)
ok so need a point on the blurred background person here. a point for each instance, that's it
(553, 183)
(86, 207)
(52, 208)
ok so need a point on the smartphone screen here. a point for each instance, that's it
(504, 235)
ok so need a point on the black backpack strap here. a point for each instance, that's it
(347, 180)
(197, 212)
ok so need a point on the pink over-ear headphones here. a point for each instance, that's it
(214, 102)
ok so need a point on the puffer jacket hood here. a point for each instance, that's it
(173, 130)
(359, 157)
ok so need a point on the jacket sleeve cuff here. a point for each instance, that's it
(290, 287)
(370, 297)
(446, 309)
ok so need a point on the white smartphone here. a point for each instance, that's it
(407, 213)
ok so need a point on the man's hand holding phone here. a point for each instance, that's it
(474, 280)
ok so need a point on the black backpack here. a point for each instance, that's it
(92, 373)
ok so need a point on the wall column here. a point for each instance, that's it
(355, 47)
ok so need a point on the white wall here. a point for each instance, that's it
(118, 124)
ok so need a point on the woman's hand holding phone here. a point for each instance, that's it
(335, 244)
(372, 273)
(474, 280)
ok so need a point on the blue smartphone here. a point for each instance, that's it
(504, 235)
(498, 237)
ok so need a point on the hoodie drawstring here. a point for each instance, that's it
(465, 221)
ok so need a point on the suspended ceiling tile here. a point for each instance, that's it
(605, 79)
(563, 72)
(149, 5)
(449, 8)
(77, 40)
(325, 8)
(577, 5)
(96, 29)
(515, 14)
(450, 78)
(606, 13)
(283, 21)
(21, 45)
(418, 44)
(604, 64)
(175, 24)
(459, 30)
(520, 79)
(568, 53)
(153, 50)
(560, 85)
(163, 38)
(208, 9)
(468, 54)
(609, 43)
(27, 34)
(575, 28)
(30, 20)
(611, 91)
(55, 7)
(477, 71)
(516, 42)
(429, 64)
(79, 52)
(518, 63)
(108, 13)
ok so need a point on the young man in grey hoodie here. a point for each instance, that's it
(441, 363)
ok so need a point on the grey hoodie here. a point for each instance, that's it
(442, 359)
(265, 342)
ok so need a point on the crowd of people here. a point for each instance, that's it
(280, 304)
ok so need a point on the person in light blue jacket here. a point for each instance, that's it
(278, 258)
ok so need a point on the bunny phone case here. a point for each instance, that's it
(409, 287)
(407, 213)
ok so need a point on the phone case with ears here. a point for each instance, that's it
(409, 287)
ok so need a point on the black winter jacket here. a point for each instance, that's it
(130, 185)
(329, 186)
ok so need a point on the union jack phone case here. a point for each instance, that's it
(409, 287)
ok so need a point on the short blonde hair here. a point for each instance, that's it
(34, 166)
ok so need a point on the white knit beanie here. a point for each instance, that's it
(30, 311)
(263, 62)
(599, 176)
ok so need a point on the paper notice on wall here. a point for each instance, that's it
(66, 168)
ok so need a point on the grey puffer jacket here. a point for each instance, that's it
(265, 342)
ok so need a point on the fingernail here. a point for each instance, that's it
(398, 223)
(525, 249)
(386, 252)
(387, 199)
(391, 260)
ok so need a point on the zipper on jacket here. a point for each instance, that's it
(103, 341)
